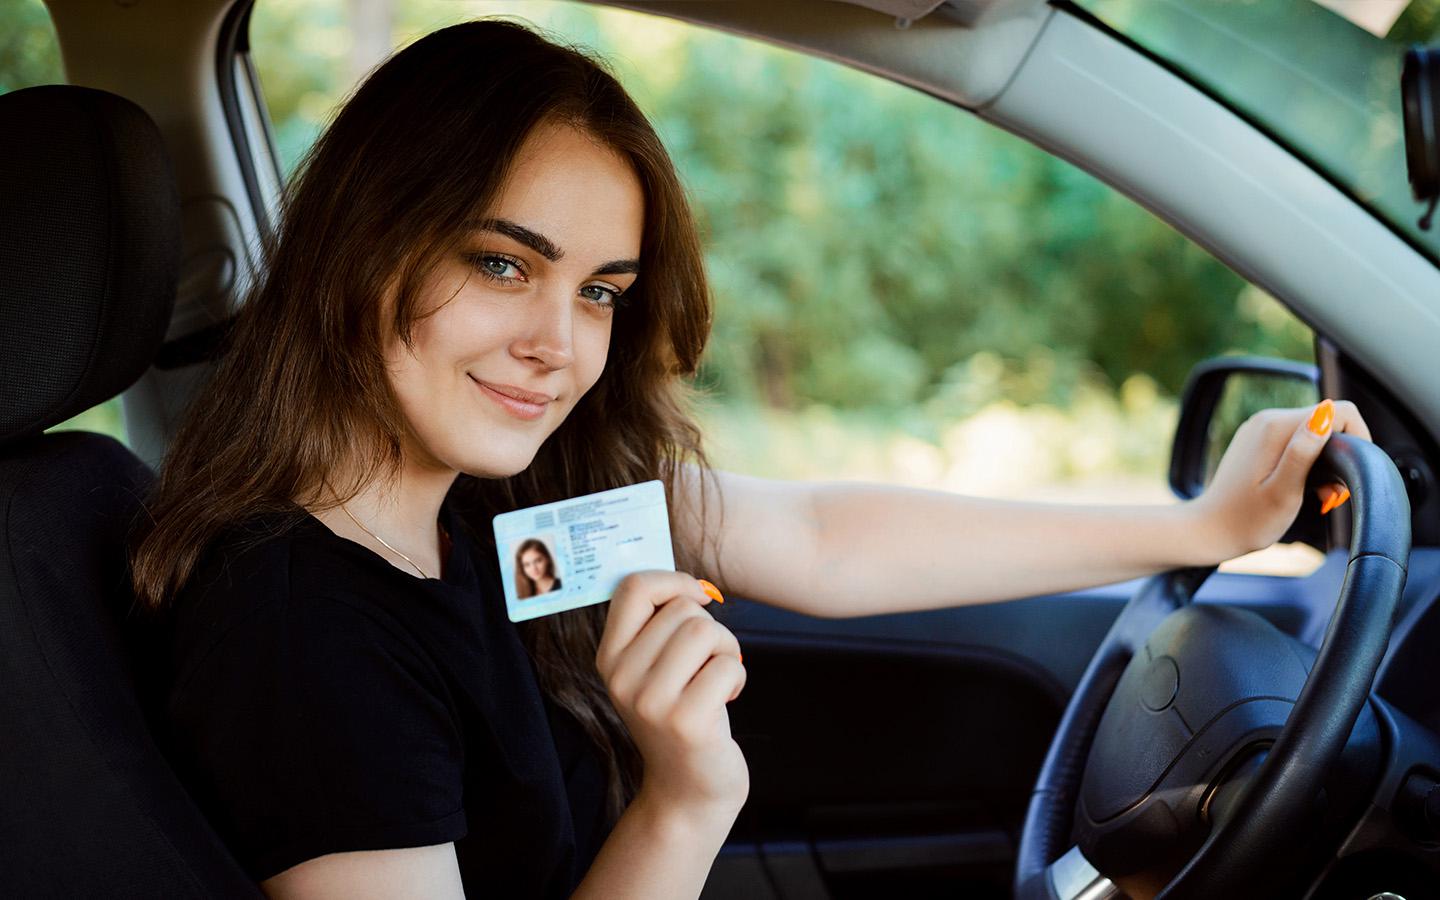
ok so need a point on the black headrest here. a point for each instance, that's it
(89, 244)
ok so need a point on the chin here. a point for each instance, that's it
(496, 464)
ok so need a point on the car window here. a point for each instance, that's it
(29, 52)
(30, 56)
(903, 293)
(1322, 76)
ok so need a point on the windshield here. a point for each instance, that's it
(1321, 76)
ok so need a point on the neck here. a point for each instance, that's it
(403, 512)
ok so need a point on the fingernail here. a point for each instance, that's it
(742, 657)
(1335, 500)
(711, 591)
(1321, 418)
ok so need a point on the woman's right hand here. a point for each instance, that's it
(670, 669)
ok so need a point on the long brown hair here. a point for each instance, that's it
(418, 152)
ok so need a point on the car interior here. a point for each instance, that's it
(1194, 734)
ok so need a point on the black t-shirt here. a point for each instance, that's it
(326, 701)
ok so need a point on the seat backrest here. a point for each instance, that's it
(89, 244)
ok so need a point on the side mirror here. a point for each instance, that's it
(1219, 395)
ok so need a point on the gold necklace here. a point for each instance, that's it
(382, 541)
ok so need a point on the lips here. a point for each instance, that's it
(511, 390)
(517, 401)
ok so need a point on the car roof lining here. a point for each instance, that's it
(964, 51)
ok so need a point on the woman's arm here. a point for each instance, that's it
(844, 549)
(839, 549)
(425, 873)
(655, 852)
(670, 669)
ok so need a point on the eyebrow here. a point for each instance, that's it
(548, 249)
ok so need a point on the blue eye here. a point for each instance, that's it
(494, 267)
(611, 299)
(498, 268)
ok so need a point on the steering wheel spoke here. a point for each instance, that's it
(1072, 877)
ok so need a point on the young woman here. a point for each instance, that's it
(535, 570)
(485, 293)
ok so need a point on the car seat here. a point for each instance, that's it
(89, 245)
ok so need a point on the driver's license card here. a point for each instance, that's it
(572, 553)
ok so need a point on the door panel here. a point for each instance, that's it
(894, 755)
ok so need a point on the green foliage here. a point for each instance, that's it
(29, 54)
(300, 51)
(107, 418)
(872, 249)
(866, 240)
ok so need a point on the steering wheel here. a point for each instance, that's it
(1172, 719)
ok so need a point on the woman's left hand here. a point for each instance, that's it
(1260, 482)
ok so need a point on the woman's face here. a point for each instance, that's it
(535, 564)
(524, 308)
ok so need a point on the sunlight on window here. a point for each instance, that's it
(108, 418)
(903, 293)
(1289, 560)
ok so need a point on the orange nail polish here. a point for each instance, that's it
(711, 591)
(1335, 500)
(742, 657)
(1321, 418)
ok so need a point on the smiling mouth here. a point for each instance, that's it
(519, 403)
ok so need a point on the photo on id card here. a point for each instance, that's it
(572, 553)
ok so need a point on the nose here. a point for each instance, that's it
(549, 335)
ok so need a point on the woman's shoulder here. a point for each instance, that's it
(285, 551)
(273, 571)
(253, 558)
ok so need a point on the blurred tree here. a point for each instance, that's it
(871, 248)
(866, 239)
(29, 53)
